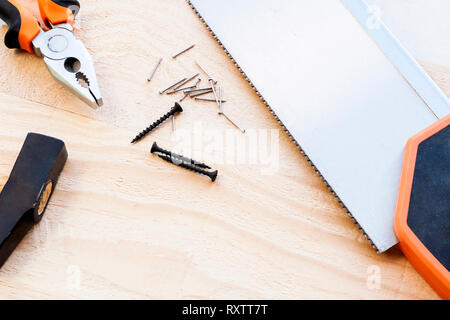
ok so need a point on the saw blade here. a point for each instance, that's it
(291, 137)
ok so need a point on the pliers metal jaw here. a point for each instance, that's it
(65, 56)
(69, 62)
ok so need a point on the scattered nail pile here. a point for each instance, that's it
(185, 87)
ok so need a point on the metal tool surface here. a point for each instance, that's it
(337, 93)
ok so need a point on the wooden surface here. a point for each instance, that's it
(123, 224)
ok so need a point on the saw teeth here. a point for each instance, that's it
(282, 125)
(82, 80)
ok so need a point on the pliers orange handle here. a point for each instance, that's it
(23, 27)
(58, 11)
(65, 56)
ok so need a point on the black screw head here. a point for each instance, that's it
(213, 175)
(177, 108)
(155, 148)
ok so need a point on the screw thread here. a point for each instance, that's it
(179, 157)
(187, 166)
(176, 109)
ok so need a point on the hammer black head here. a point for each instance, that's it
(26, 193)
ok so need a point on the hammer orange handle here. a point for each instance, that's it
(23, 27)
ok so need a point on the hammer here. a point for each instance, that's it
(28, 190)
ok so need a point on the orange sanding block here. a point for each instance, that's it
(422, 221)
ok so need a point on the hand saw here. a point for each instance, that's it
(348, 102)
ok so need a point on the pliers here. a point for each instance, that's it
(64, 55)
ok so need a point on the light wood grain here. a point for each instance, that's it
(132, 226)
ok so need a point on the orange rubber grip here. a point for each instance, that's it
(58, 11)
(412, 245)
(23, 27)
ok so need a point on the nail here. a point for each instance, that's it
(185, 96)
(207, 74)
(213, 87)
(197, 90)
(180, 89)
(175, 84)
(232, 122)
(220, 100)
(200, 94)
(185, 81)
(154, 70)
(209, 100)
(183, 51)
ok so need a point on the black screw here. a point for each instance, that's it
(184, 162)
(180, 158)
(176, 109)
(188, 166)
